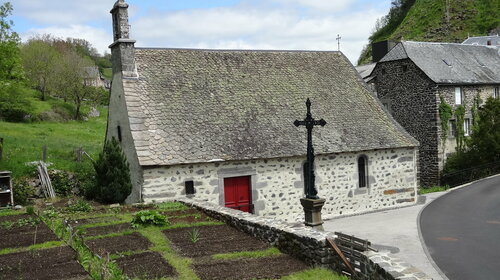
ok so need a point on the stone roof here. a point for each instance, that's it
(448, 63)
(366, 70)
(483, 40)
(189, 106)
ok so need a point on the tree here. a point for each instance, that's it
(40, 60)
(485, 139)
(10, 62)
(69, 80)
(113, 183)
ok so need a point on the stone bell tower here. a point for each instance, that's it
(122, 49)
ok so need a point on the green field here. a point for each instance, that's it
(23, 143)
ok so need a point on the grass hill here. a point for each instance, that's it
(23, 141)
(435, 21)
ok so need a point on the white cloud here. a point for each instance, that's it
(99, 38)
(55, 12)
(235, 28)
(325, 6)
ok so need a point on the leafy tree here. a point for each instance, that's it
(485, 138)
(40, 60)
(113, 183)
(69, 77)
(10, 62)
(483, 146)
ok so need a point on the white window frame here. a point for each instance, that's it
(466, 127)
(496, 92)
(458, 96)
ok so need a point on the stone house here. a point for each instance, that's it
(410, 81)
(217, 125)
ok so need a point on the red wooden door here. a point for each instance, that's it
(237, 193)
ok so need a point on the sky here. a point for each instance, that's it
(210, 24)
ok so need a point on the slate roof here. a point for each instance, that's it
(366, 70)
(191, 106)
(483, 40)
(448, 63)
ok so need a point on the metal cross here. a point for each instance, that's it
(338, 40)
(309, 122)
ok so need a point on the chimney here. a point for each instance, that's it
(122, 49)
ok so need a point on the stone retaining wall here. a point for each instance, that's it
(307, 244)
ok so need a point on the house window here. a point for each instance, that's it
(383, 71)
(119, 133)
(496, 93)
(363, 171)
(189, 187)
(458, 95)
(453, 128)
(404, 68)
(466, 127)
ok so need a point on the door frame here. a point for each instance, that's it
(238, 172)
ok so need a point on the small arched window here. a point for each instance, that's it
(363, 171)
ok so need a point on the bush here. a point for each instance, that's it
(148, 218)
(15, 105)
(80, 206)
(112, 184)
(22, 192)
(63, 182)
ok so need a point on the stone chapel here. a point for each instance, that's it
(217, 125)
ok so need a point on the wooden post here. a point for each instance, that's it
(1, 147)
(44, 153)
(79, 153)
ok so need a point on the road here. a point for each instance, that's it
(462, 231)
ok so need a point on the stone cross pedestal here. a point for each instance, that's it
(312, 211)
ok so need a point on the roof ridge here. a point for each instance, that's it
(237, 50)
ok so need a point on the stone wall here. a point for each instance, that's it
(277, 184)
(411, 97)
(469, 93)
(307, 244)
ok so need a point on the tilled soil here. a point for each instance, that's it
(189, 219)
(94, 231)
(258, 268)
(148, 265)
(25, 236)
(46, 264)
(175, 213)
(212, 240)
(118, 244)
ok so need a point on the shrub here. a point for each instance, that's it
(15, 105)
(112, 184)
(149, 217)
(80, 206)
(62, 181)
(22, 192)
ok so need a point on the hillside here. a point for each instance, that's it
(435, 21)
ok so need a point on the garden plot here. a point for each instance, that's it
(22, 231)
(209, 240)
(137, 242)
(50, 264)
(253, 268)
(147, 265)
(118, 244)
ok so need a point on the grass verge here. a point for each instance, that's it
(248, 254)
(433, 189)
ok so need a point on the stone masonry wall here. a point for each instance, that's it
(469, 92)
(309, 245)
(277, 184)
(412, 99)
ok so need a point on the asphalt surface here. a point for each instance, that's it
(393, 230)
(461, 231)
